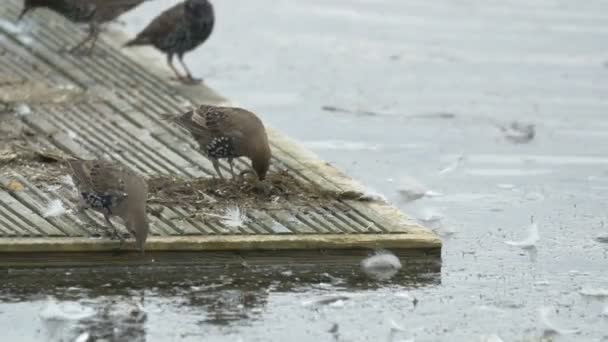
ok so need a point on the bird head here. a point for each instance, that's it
(139, 225)
(260, 164)
(196, 6)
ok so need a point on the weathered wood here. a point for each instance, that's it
(419, 261)
(226, 243)
(29, 224)
(118, 115)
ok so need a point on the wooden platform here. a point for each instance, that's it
(109, 106)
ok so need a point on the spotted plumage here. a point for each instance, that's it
(221, 147)
(113, 190)
(228, 133)
(100, 201)
(178, 30)
(93, 12)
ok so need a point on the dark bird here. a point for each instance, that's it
(228, 133)
(113, 190)
(93, 12)
(178, 30)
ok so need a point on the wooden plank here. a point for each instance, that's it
(289, 220)
(272, 226)
(37, 199)
(226, 243)
(9, 228)
(14, 214)
(29, 222)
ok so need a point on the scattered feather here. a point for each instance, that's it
(394, 330)
(530, 241)
(490, 338)
(84, 337)
(602, 238)
(542, 283)
(382, 265)
(67, 181)
(505, 186)
(233, 217)
(54, 208)
(72, 135)
(23, 109)
(411, 189)
(605, 312)
(594, 292)
(550, 327)
(453, 166)
(53, 188)
(65, 311)
(395, 326)
(370, 194)
(334, 300)
(430, 215)
(518, 133)
(10, 26)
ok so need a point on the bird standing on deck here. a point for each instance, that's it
(113, 190)
(93, 12)
(228, 133)
(178, 30)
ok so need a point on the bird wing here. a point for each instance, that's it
(99, 176)
(220, 119)
(163, 23)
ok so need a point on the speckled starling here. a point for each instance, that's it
(93, 12)
(228, 133)
(178, 30)
(113, 190)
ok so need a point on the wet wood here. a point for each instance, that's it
(116, 98)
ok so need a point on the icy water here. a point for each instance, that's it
(419, 97)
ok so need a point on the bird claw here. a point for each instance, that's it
(188, 80)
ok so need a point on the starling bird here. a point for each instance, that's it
(93, 12)
(113, 190)
(178, 30)
(228, 132)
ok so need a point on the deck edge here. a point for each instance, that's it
(420, 240)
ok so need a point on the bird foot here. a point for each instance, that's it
(116, 235)
(188, 80)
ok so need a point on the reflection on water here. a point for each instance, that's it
(115, 304)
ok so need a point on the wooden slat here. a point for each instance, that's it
(26, 222)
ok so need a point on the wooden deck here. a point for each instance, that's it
(109, 106)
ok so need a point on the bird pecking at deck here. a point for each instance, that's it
(228, 133)
(93, 12)
(178, 30)
(113, 190)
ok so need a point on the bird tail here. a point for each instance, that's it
(139, 40)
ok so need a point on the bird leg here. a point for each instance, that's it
(178, 76)
(91, 36)
(231, 163)
(216, 166)
(114, 230)
(189, 77)
(95, 35)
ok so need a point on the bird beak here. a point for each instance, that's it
(25, 10)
